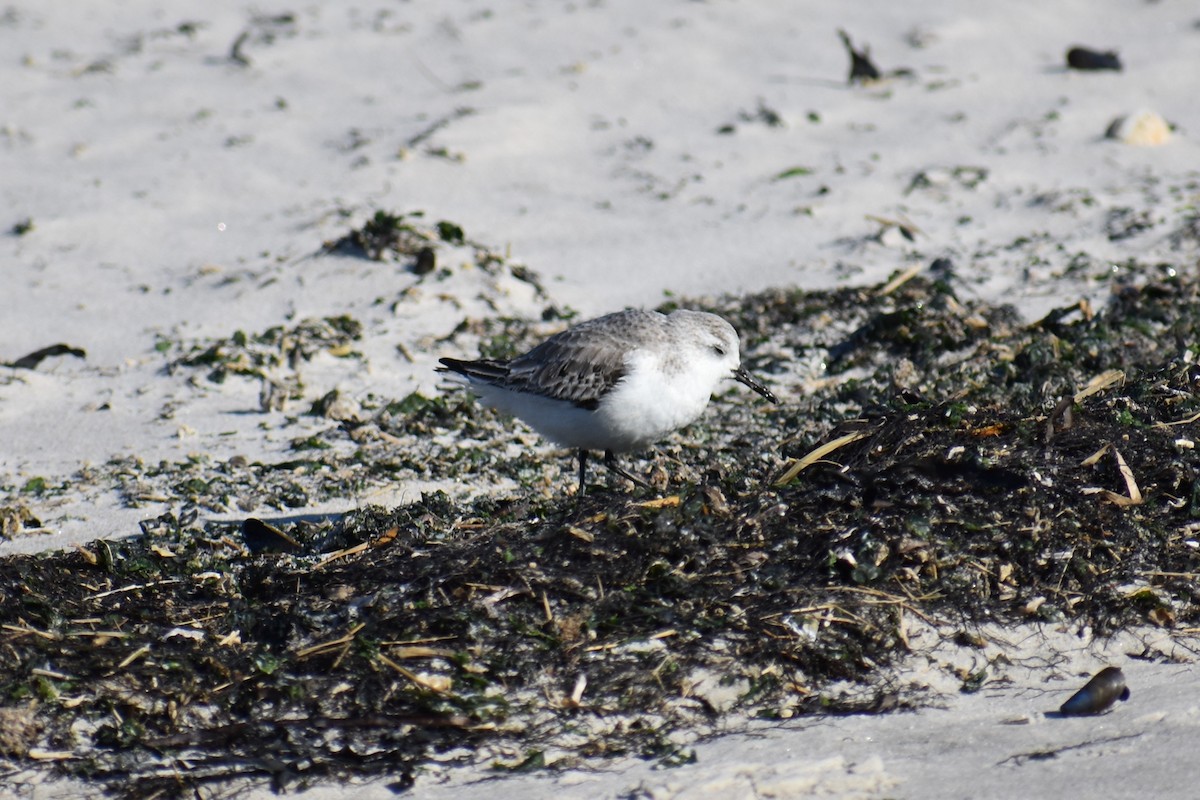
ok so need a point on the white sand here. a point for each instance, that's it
(176, 194)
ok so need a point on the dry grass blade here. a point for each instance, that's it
(1095, 457)
(136, 587)
(141, 652)
(816, 455)
(420, 652)
(332, 644)
(1184, 421)
(901, 279)
(49, 673)
(349, 551)
(580, 533)
(1099, 383)
(1134, 496)
(434, 683)
(25, 630)
(670, 501)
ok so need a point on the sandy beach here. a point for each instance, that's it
(174, 176)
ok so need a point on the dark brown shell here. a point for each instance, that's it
(261, 537)
(1105, 688)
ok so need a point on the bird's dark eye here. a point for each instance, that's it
(719, 350)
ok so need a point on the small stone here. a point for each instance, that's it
(426, 261)
(1084, 58)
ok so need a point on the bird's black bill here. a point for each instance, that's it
(741, 376)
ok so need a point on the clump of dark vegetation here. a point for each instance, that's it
(407, 238)
(385, 233)
(255, 355)
(963, 466)
(397, 235)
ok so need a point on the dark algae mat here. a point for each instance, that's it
(933, 458)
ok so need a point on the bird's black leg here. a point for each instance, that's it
(582, 472)
(610, 461)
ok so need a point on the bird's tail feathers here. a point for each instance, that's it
(485, 370)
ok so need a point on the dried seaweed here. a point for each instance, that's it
(959, 465)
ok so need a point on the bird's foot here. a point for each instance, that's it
(610, 461)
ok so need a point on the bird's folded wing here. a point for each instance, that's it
(578, 369)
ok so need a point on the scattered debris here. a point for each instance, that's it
(17, 519)
(763, 113)
(1124, 223)
(903, 227)
(862, 70)
(38, 356)
(263, 30)
(968, 177)
(257, 355)
(429, 130)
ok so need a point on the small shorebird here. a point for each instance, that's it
(616, 383)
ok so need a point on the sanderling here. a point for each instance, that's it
(616, 383)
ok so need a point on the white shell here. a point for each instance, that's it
(1142, 128)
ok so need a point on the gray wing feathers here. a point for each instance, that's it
(565, 367)
(579, 365)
